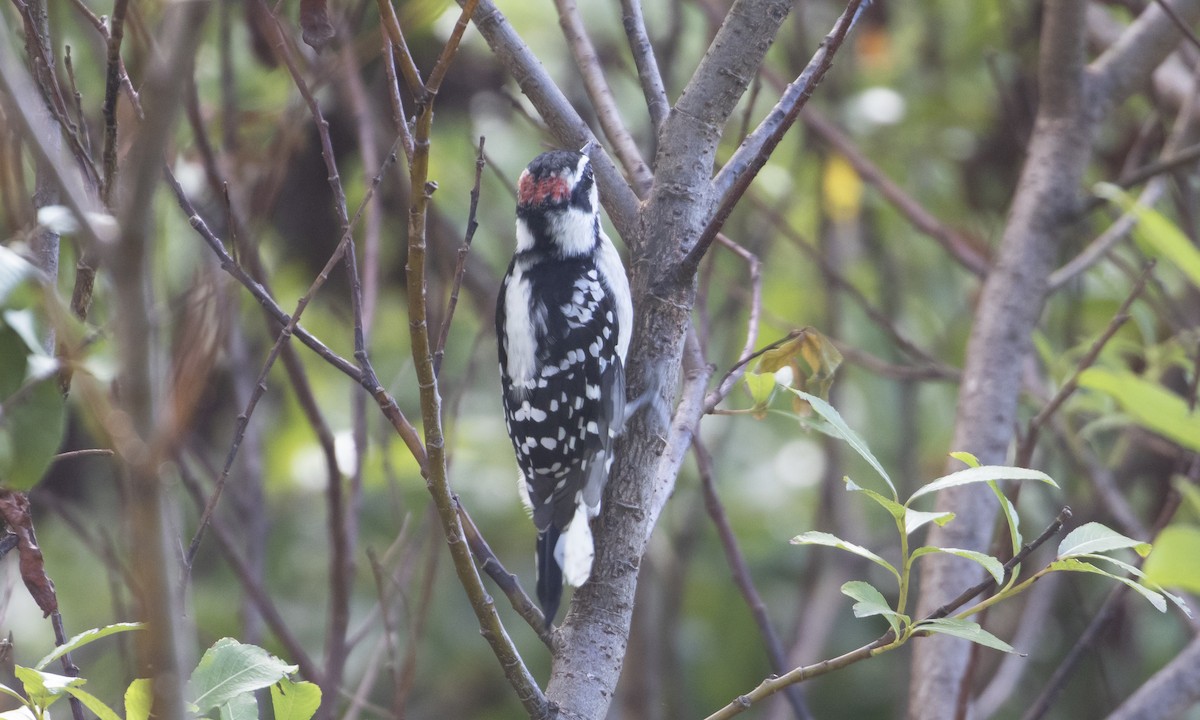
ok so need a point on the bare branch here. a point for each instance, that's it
(1073, 101)
(461, 266)
(741, 576)
(565, 124)
(601, 96)
(735, 178)
(437, 480)
(957, 247)
(112, 84)
(250, 583)
(647, 64)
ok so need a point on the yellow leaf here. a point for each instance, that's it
(841, 189)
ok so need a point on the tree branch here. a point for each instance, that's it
(565, 124)
(647, 64)
(601, 96)
(735, 177)
(741, 576)
(1074, 100)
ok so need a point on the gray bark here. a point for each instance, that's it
(593, 637)
(1169, 692)
(1074, 98)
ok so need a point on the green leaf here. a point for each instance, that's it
(1096, 538)
(965, 458)
(1149, 404)
(894, 508)
(1173, 562)
(761, 387)
(814, 537)
(1074, 564)
(1011, 519)
(984, 473)
(14, 354)
(25, 324)
(86, 637)
(914, 519)
(838, 428)
(139, 698)
(32, 426)
(1156, 231)
(229, 669)
(1146, 582)
(870, 602)
(1190, 492)
(45, 688)
(966, 630)
(14, 270)
(93, 703)
(994, 567)
(239, 707)
(295, 700)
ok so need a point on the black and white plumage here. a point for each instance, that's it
(563, 321)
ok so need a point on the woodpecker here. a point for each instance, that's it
(563, 321)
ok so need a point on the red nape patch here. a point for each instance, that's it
(546, 190)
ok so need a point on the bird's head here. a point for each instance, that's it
(558, 206)
(557, 180)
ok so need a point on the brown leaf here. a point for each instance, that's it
(314, 21)
(14, 509)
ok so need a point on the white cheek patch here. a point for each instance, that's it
(524, 237)
(574, 230)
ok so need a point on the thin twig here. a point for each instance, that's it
(1161, 166)
(741, 575)
(958, 247)
(1029, 442)
(288, 330)
(877, 316)
(253, 286)
(607, 112)
(251, 583)
(905, 373)
(112, 84)
(735, 178)
(408, 68)
(437, 480)
(90, 452)
(78, 96)
(1105, 241)
(887, 641)
(1099, 622)
(25, 98)
(714, 398)
(730, 379)
(647, 64)
(131, 93)
(1179, 22)
(508, 582)
(398, 121)
(754, 268)
(461, 267)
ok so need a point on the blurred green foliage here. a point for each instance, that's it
(940, 95)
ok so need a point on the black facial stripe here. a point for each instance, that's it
(581, 195)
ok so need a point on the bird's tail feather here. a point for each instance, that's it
(549, 573)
